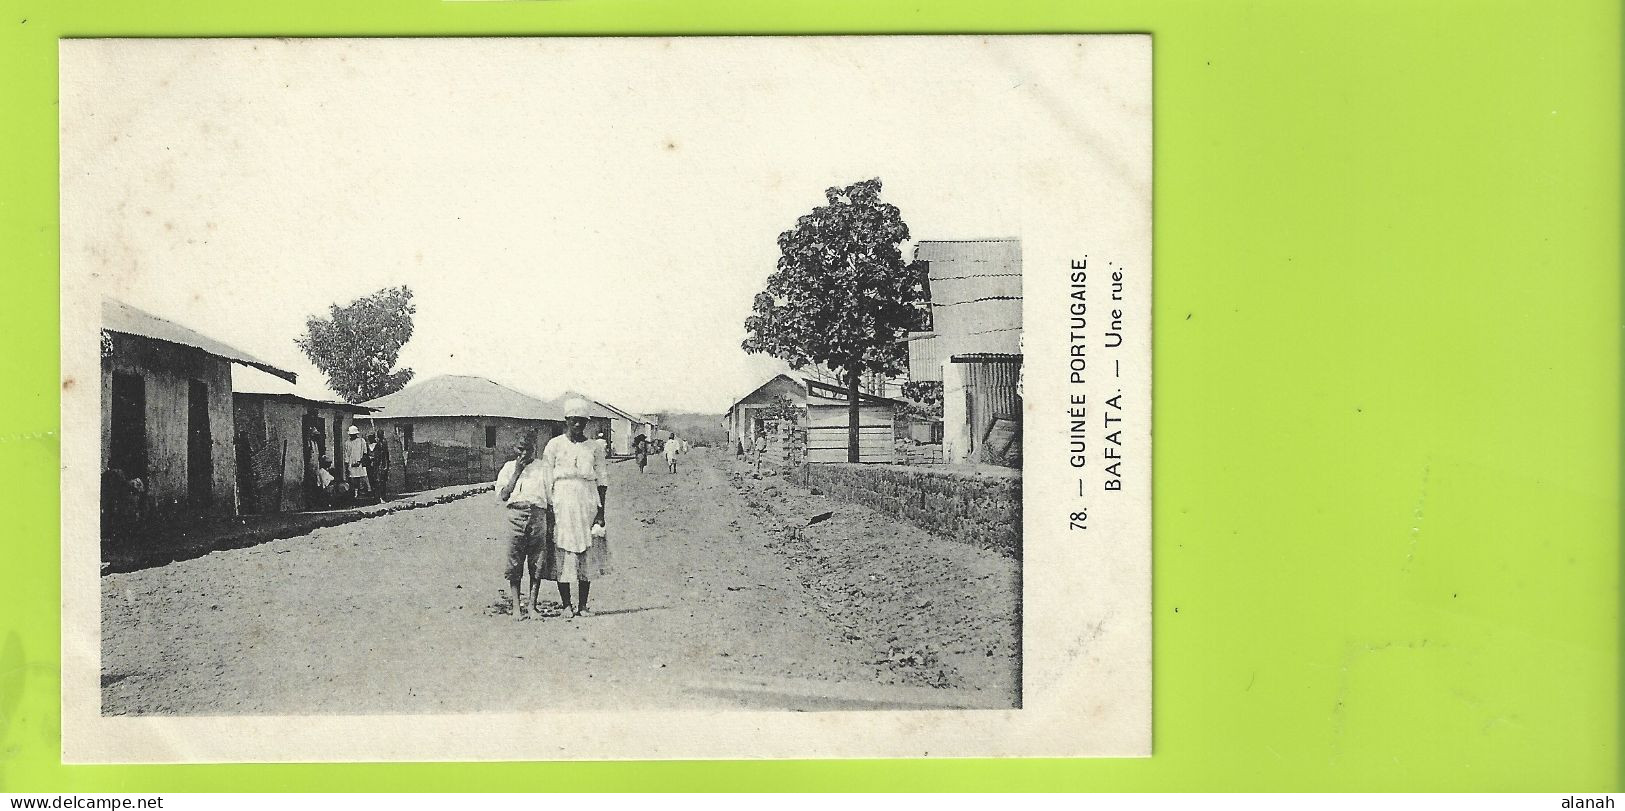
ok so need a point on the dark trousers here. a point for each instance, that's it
(527, 543)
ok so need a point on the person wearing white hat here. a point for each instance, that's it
(355, 463)
(577, 475)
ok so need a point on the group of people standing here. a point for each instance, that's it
(555, 504)
(555, 509)
(365, 470)
(756, 452)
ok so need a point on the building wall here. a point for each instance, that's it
(260, 455)
(751, 421)
(620, 436)
(976, 295)
(273, 421)
(975, 302)
(166, 370)
(739, 424)
(956, 428)
(597, 424)
(742, 417)
(974, 395)
(827, 430)
(991, 394)
(925, 359)
(446, 451)
(924, 431)
(828, 433)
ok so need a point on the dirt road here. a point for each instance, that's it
(713, 604)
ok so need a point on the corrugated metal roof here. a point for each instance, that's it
(986, 357)
(122, 318)
(982, 326)
(464, 396)
(924, 361)
(863, 400)
(615, 412)
(625, 415)
(954, 289)
(253, 381)
(790, 376)
(976, 250)
(976, 294)
(594, 407)
(817, 389)
(341, 406)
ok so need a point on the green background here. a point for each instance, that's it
(1387, 391)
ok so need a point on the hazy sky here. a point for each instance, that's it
(592, 215)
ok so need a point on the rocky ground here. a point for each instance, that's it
(721, 598)
(932, 612)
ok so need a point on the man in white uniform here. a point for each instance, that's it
(355, 463)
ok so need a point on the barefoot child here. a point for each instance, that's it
(522, 488)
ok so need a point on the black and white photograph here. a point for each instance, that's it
(553, 398)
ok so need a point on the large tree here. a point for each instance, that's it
(357, 345)
(842, 293)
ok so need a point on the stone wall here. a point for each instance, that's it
(977, 507)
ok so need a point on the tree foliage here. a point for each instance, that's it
(842, 293)
(357, 345)
(924, 397)
(786, 409)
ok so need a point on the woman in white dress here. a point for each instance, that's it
(577, 475)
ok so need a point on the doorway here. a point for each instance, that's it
(199, 446)
(127, 446)
(313, 436)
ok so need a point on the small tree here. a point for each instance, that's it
(842, 293)
(791, 419)
(357, 345)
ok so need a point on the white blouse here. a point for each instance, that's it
(531, 488)
(564, 459)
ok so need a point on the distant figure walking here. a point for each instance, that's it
(674, 448)
(522, 488)
(578, 477)
(355, 463)
(640, 450)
